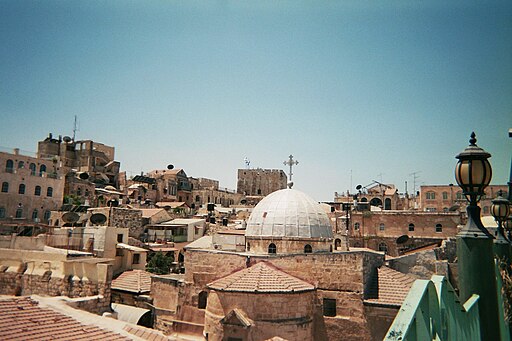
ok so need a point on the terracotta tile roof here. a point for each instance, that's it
(138, 281)
(23, 319)
(260, 278)
(389, 287)
(145, 333)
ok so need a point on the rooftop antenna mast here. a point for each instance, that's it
(75, 129)
(247, 163)
(290, 162)
(414, 178)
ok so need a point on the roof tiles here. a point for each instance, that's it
(389, 287)
(137, 281)
(23, 319)
(260, 278)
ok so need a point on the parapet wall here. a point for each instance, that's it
(52, 274)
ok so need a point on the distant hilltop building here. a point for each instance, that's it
(260, 182)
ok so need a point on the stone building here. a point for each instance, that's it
(95, 159)
(260, 182)
(445, 198)
(287, 283)
(377, 194)
(30, 187)
(206, 191)
(395, 232)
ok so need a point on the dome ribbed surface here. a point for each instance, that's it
(288, 213)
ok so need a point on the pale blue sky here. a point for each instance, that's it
(357, 87)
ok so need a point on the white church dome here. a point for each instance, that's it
(288, 213)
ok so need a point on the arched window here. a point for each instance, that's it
(32, 168)
(486, 209)
(363, 199)
(5, 187)
(439, 228)
(308, 248)
(37, 191)
(383, 247)
(19, 212)
(357, 226)
(49, 192)
(34, 215)
(259, 191)
(2, 212)
(431, 195)
(446, 209)
(445, 195)
(459, 195)
(198, 198)
(21, 164)
(21, 189)
(381, 227)
(387, 204)
(411, 227)
(9, 166)
(42, 169)
(79, 191)
(272, 248)
(86, 192)
(202, 300)
(47, 214)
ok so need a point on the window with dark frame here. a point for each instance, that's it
(329, 307)
(272, 248)
(136, 258)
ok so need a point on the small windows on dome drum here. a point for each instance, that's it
(272, 248)
(308, 248)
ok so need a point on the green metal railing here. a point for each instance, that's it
(432, 311)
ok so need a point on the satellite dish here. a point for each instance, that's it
(358, 187)
(454, 208)
(83, 175)
(70, 217)
(66, 139)
(98, 218)
(402, 239)
(170, 166)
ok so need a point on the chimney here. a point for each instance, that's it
(16, 151)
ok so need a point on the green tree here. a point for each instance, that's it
(159, 264)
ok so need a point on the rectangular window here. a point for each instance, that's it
(120, 238)
(445, 195)
(119, 252)
(431, 195)
(381, 227)
(136, 258)
(431, 209)
(329, 307)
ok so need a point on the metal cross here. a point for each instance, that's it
(291, 162)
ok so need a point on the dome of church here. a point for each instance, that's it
(288, 213)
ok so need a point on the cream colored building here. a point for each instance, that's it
(30, 187)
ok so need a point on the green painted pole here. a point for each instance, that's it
(476, 272)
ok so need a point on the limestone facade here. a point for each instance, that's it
(285, 245)
(442, 198)
(30, 187)
(340, 277)
(27, 272)
(260, 182)
(380, 230)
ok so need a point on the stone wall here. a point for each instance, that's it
(287, 315)
(260, 181)
(285, 245)
(379, 320)
(342, 276)
(46, 274)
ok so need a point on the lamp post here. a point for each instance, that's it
(474, 243)
(500, 210)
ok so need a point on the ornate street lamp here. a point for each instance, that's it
(500, 210)
(473, 174)
(475, 254)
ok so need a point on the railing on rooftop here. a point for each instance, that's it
(432, 311)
